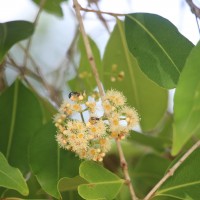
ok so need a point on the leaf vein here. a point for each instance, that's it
(156, 41)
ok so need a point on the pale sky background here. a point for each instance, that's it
(54, 35)
(60, 31)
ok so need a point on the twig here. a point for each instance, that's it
(172, 170)
(124, 167)
(35, 65)
(197, 23)
(101, 18)
(90, 55)
(101, 12)
(42, 3)
(194, 8)
(22, 70)
(53, 94)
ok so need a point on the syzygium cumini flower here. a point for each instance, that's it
(91, 139)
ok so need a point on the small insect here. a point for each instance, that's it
(76, 96)
(93, 120)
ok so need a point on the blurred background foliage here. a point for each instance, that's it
(143, 55)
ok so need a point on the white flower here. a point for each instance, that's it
(131, 115)
(115, 97)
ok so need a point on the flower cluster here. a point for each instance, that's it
(91, 139)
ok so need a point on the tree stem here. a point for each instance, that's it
(172, 170)
(124, 167)
(90, 55)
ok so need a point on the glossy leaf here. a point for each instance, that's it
(71, 195)
(187, 102)
(102, 183)
(159, 48)
(20, 117)
(11, 33)
(84, 80)
(185, 182)
(167, 128)
(148, 171)
(50, 163)
(35, 190)
(68, 184)
(11, 177)
(149, 99)
(52, 6)
(47, 109)
(157, 143)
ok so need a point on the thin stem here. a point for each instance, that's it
(101, 18)
(35, 65)
(13, 119)
(53, 93)
(81, 113)
(197, 23)
(22, 70)
(172, 170)
(124, 167)
(42, 3)
(90, 55)
(194, 8)
(101, 12)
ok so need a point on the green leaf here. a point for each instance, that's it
(35, 190)
(84, 79)
(50, 163)
(67, 184)
(19, 119)
(157, 143)
(52, 6)
(149, 99)
(160, 49)
(167, 127)
(185, 182)
(102, 183)
(148, 171)
(187, 102)
(71, 195)
(11, 177)
(47, 109)
(11, 33)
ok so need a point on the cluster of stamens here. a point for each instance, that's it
(91, 139)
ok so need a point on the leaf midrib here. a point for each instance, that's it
(178, 187)
(13, 180)
(105, 182)
(170, 195)
(156, 41)
(13, 118)
(127, 56)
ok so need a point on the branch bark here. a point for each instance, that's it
(194, 8)
(101, 12)
(90, 55)
(172, 170)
